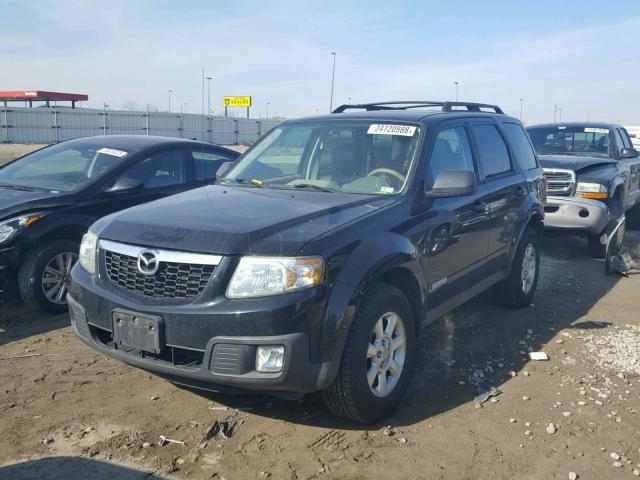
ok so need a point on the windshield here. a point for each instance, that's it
(580, 141)
(344, 156)
(65, 167)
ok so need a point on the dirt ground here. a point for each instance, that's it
(69, 412)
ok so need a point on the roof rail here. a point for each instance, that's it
(407, 104)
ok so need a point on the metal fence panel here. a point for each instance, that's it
(48, 125)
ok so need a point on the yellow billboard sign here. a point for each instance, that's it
(236, 101)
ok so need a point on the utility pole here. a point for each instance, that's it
(170, 92)
(555, 111)
(209, 96)
(333, 78)
(559, 114)
(203, 91)
(521, 100)
(268, 103)
(457, 89)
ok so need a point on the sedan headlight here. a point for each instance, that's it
(10, 228)
(88, 249)
(263, 276)
(591, 190)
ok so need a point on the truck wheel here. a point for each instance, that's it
(378, 358)
(43, 277)
(518, 289)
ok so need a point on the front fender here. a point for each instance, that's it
(371, 259)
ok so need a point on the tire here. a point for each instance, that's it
(32, 277)
(516, 291)
(351, 396)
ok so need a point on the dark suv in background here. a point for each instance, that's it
(593, 175)
(313, 263)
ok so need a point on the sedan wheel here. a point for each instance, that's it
(55, 278)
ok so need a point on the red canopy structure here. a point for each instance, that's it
(41, 96)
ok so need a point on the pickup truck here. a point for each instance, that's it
(593, 176)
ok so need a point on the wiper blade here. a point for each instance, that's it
(312, 186)
(244, 181)
(22, 188)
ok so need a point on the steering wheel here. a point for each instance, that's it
(387, 171)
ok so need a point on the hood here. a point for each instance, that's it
(229, 220)
(15, 202)
(571, 162)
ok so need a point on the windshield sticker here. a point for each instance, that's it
(113, 152)
(386, 129)
(596, 130)
(387, 189)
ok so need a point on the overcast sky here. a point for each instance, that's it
(583, 55)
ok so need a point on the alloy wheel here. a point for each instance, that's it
(386, 354)
(55, 277)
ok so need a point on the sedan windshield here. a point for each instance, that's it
(580, 141)
(329, 156)
(65, 167)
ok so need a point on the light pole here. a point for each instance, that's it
(170, 92)
(268, 103)
(555, 112)
(186, 104)
(559, 114)
(202, 112)
(209, 96)
(333, 78)
(104, 117)
(457, 89)
(349, 100)
(521, 100)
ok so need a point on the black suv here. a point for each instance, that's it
(50, 197)
(313, 262)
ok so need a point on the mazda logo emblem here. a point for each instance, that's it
(148, 262)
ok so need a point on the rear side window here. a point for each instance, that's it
(521, 146)
(451, 151)
(493, 152)
(207, 163)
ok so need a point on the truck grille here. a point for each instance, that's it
(559, 181)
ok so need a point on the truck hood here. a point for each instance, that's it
(571, 162)
(233, 220)
(16, 202)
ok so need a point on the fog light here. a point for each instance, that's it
(270, 358)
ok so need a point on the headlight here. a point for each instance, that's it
(591, 190)
(9, 228)
(263, 276)
(88, 249)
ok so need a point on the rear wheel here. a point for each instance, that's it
(378, 358)
(518, 289)
(43, 277)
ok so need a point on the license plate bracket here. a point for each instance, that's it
(140, 331)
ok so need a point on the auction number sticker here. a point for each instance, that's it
(596, 130)
(113, 152)
(387, 129)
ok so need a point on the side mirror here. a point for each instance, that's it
(453, 183)
(224, 168)
(628, 153)
(125, 185)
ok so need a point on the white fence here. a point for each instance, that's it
(49, 125)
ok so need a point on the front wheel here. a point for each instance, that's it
(518, 289)
(43, 277)
(378, 358)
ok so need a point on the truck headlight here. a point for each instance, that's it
(591, 190)
(88, 249)
(10, 228)
(264, 276)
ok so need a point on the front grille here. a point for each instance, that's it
(172, 280)
(559, 181)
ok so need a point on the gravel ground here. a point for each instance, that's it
(69, 412)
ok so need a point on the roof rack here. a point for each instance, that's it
(407, 104)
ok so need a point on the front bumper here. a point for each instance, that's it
(206, 354)
(576, 214)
